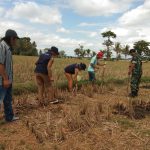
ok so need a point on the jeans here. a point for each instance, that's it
(6, 97)
(92, 76)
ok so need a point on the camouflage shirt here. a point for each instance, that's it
(138, 65)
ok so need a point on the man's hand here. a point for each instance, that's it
(76, 86)
(129, 73)
(104, 66)
(6, 83)
(51, 79)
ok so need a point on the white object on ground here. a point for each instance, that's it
(78, 77)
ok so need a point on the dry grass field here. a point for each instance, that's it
(99, 116)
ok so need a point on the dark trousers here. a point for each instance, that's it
(91, 76)
(135, 81)
(6, 97)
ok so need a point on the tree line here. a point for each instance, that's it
(141, 46)
(26, 47)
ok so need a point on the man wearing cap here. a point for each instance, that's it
(6, 73)
(135, 70)
(43, 74)
(94, 65)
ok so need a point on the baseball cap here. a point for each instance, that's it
(11, 33)
(54, 49)
(100, 54)
(82, 66)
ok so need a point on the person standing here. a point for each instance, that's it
(43, 74)
(135, 70)
(6, 73)
(94, 64)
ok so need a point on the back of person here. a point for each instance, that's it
(71, 68)
(94, 62)
(41, 64)
(138, 65)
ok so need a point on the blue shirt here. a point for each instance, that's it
(6, 60)
(41, 64)
(71, 68)
(94, 62)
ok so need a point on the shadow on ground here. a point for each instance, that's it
(136, 110)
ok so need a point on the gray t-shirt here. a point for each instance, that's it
(6, 60)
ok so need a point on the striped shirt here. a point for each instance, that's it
(6, 60)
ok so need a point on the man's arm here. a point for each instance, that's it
(3, 72)
(75, 76)
(49, 66)
(94, 66)
(100, 64)
(6, 83)
(131, 67)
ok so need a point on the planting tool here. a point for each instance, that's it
(103, 72)
(75, 89)
(128, 84)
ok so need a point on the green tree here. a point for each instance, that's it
(40, 52)
(118, 49)
(77, 52)
(25, 47)
(62, 54)
(108, 43)
(125, 50)
(88, 51)
(80, 52)
(93, 53)
(142, 46)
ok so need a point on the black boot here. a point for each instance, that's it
(133, 94)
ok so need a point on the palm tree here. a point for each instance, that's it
(93, 53)
(108, 42)
(117, 49)
(125, 50)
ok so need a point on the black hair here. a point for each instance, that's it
(132, 51)
(82, 66)
(7, 40)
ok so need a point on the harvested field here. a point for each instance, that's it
(97, 117)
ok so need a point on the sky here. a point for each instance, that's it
(68, 23)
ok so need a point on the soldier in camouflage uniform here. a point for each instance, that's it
(135, 70)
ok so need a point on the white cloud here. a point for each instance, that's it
(93, 34)
(87, 33)
(84, 24)
(5, 25)
(35, 13)
(62, 30)
(139, 16)
(99, 7)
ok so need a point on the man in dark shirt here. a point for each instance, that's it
(43, 74)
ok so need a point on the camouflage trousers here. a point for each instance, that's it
(134, 84)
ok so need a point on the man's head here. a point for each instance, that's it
(132, 52)
(11, 37)
(99, 55)
(82, 66)
(54, 51)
